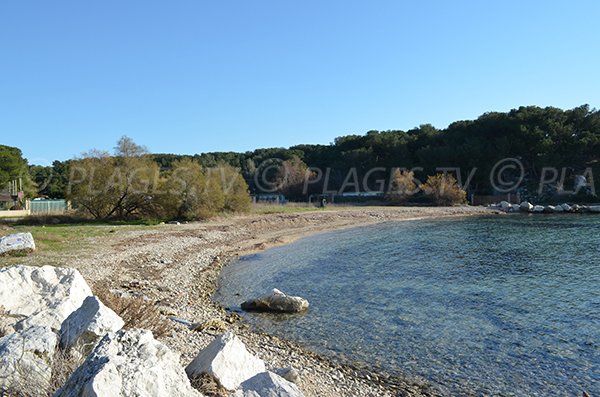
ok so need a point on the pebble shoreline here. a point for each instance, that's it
(176, 268)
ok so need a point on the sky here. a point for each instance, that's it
(193, 76)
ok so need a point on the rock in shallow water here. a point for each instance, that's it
(276, 301)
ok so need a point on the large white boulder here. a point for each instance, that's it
(87, 325)
(227, 360)
(526, 206)
(44, 295)
(276, 301)
(16, 242)
(129, 364)
(268, 384)
(26, 361)
(559, 208)
(594, 208)
(538, 208)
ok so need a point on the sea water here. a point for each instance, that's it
(506, 305)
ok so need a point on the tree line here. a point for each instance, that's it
(567, 140)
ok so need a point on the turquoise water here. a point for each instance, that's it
(486, 306)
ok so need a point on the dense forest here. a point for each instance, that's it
(566, 140)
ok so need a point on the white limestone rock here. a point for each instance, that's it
(129, 364)
(268, 384)
(26, 361)
(276, 301)
(43, 296)
(566, 207)
(16, 242)
(526, 206)
(227, 360)
(87, 325)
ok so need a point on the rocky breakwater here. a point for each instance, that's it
(58, 339)
(528, 207)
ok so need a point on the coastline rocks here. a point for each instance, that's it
(559, 208)
(276, 301)
(129, 363)
(87, 325)
(268, 384)
(566, 207)
(43, 296)
(505, 206)
(227, 360)
(26, 361)
(549, 209)
(538, 209)
(594, 208)
(526, 206)
(16, 242)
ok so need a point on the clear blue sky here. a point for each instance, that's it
(196, 76)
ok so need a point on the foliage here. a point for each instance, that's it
(12, 167)
(444, 190)
(402, 186)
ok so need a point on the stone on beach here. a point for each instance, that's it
(290, 374)
(44, 295)
(227, 360)
(276, 301)
(16, 242)
(129, 363)
(594, 208)
(566, 207)
(26, 361)
(538, 208)
(268, 384)
(526, 206)
(87, 325)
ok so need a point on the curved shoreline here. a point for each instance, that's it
(176, 268)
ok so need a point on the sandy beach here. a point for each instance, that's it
(176, 268)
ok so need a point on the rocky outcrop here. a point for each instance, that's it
(227, 360)
(129, 363)
(87, 325)
(268, 384)
(44, 295)
(17, 242)
(276, 301)
(26, 361)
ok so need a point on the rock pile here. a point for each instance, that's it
(526, 206)
(48, 312)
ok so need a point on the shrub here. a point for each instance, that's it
(444, 190)
(402, 186)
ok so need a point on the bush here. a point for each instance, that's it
(444, 190)
(402, 186)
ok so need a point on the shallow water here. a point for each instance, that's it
(489, 306)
